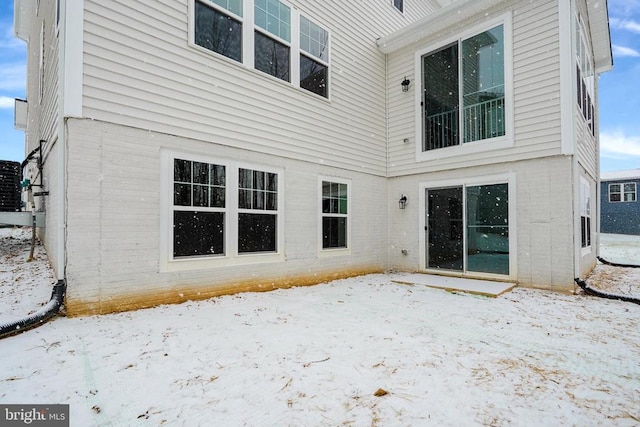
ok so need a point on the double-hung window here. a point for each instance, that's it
(463, 95)
(335, 214)
(314, 57)
(198, 208)
(257, 211)
(218, 27)
(275, 39)
(623, 192)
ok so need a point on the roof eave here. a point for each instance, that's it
(22, 18)
(437, 21)
(600, 35)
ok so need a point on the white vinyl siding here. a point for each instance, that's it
(535, 112)
(170, 87)
(586, 123)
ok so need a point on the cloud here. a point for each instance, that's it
(618, 145)
(624, 7)
(13, 76)
(6, 102)
(625, 24)
(625, 51)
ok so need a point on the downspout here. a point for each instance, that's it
(58, 292)
(386, 166)
(567, 117)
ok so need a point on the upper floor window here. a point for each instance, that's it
(463, 91)
(585, 86)
(623, 192)
(218, 27)
(399, 4)
(314, 57)
(273, 38)
(266, 44)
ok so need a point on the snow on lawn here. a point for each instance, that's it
(316, 356)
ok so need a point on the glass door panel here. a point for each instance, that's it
(488, 228)
(445, 247)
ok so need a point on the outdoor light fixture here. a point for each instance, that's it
(405, 84)
(403, 202)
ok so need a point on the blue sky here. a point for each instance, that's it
(619, 89)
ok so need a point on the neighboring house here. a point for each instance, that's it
(619, 206)
(193, 148)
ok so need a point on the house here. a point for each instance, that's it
(619, 206)
(192, 148)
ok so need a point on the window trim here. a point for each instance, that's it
(231, 256)
(479, 146)
(504, 178)
(324, 252)
(249, 28)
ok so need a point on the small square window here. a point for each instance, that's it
(399, 4)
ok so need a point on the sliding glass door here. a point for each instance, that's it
(467, 228)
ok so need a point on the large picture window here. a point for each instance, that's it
(335, 211)
(463, 91)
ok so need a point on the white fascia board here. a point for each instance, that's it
(438, 21)
(598, 12)
(23, 16)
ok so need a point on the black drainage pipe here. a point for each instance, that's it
(615, 264)
(594, 292)
(40, 316)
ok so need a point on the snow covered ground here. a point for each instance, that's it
(316, 356)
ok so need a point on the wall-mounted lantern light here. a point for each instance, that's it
(402, 203)
(405, 84)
